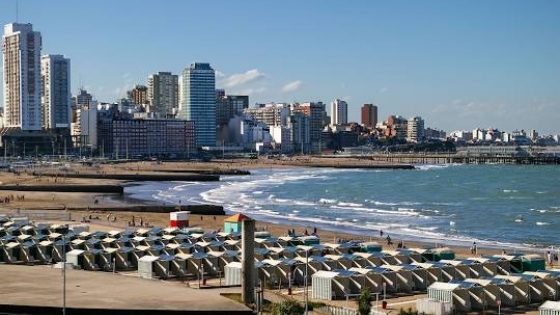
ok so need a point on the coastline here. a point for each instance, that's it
(81, 200)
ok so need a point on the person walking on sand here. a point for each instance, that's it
(549, 258)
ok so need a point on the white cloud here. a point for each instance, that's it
(347, 98)
(250, 91)
(383, 90)
(292, 86)
(219, 74)
(243, 78)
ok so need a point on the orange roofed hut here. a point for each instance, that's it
(234, 223)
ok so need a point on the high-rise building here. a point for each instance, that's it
(339, 112)
(55, 92)
(315, 111)
(138, 95)
(21, 55)
(415, 129)
(163, 93)
(369, 115)
(199, 102)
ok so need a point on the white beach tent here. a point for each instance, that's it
(76, 258)
(550, 308)
(456, 293)
(329, 285)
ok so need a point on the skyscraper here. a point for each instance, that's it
(199, 102)
(163, 93)
(369, 115)
(339, 112)
(21, 55)
(55, 92)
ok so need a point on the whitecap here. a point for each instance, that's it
(542, 223)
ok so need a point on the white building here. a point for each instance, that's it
(415, 129)
(55, 94)
(339, 112)
(21, 55)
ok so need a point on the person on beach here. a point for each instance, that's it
(549, 258)
(473, 248)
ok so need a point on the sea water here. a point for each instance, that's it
(502, 206)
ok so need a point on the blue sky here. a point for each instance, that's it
(458, 64)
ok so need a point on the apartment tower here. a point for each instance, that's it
(199, 102)
(55, 93)
(21, 56)
(369, 115)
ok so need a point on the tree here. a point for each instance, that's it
(364, 302)
(288, 307)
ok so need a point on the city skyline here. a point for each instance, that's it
(459, 65)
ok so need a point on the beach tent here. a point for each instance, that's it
(27, 230)
(390, 278)
(331, 285)
(555, 275)
(150, 267)
(371, 259)
(41, 229)
(289, 252)
(433, 272)
(370, 247)
(488, 266)
(405, 283)
(433, 307)
(76, 258)
(125, 258)
(156, 250)
(550, 308)
(269, 274)
(289, 268)
(234, 223)
(233, 273)
(411, 255)
(419, 276)
(522, 289)
(97, 259)
(185, 248)
(373, 280)
(538, 291)
(456, 293)
(309, 240)
(93, 243)
(232, 244)
(225, 257)
(520, 262)
(12, 252)
(262, 234)
(60, 246)
(84, 235)
(124, 241)
(549, 283)
(496, 291)
(77, 244)
(399, 257)
(44, 250)
(435, 254)
(345, 261)
(29, 253)
(461, 271)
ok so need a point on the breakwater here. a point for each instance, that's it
(111, 189)
(140, 177)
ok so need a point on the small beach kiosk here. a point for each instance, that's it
(234, 223)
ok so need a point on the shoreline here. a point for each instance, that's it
(81, 200)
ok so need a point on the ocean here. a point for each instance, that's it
(498, 206)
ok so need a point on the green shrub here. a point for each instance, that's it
(288, 307)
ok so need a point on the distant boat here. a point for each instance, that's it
(519, 219)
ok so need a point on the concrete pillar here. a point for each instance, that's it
(248, 261)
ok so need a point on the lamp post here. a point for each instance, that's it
(306, 284)
(63, 274)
